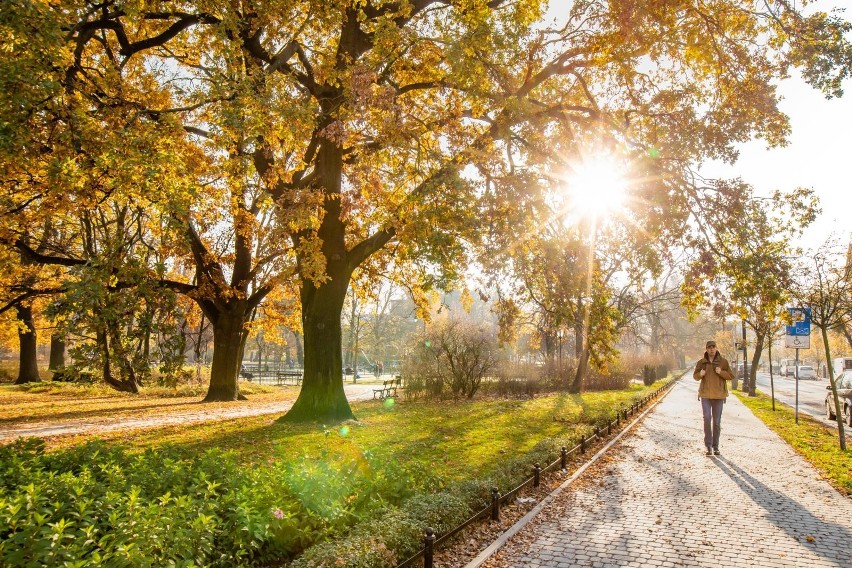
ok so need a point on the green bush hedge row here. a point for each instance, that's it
(98, 505)
(396, 532)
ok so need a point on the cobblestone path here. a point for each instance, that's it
(662, 502)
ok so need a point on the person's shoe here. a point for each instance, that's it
(709, 452)
(717, 452)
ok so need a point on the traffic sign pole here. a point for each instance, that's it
(797, 385)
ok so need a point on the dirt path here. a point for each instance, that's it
(199, 412)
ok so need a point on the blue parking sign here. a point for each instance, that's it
(801, 318)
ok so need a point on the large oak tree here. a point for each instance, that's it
(332, 130)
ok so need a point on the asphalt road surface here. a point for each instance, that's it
(811, 395)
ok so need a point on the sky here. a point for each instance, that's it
(818, 156)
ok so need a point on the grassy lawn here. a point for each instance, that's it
(453, 439)
(816, 442)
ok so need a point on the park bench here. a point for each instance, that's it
(389, 388)
(286, 377)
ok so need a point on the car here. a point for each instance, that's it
(844, 393)
(807, 372)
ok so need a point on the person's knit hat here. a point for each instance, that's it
(710, 343)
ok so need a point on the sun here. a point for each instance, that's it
(597, 188)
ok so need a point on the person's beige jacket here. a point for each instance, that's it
(713, 385)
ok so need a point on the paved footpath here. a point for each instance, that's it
(193, 415)
(662, 502)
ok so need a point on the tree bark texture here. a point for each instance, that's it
(322, 397)
(28, 363)
(57, 352)
(837, 408)
(119, 384)
(755, 359)
(582, 371)
(229, 337)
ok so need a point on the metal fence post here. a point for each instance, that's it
(495, 504)
(608, 427)
(536, 475)
(564, 457)
(428, 545)
(582, 444)
(618, 418)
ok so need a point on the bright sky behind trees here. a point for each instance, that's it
(817, 156)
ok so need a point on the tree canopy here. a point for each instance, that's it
(284, 143)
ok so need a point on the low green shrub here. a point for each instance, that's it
(613, 380)
(97, 505)
(101, 505)
(396, 532)
(649, 374)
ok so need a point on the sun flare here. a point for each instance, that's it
(597, 188)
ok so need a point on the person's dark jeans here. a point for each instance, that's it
(712, 409)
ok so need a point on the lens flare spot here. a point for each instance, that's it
(389, 402)
(344, 431)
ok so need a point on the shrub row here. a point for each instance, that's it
(651, 373)
(98, 505)
(396, 532)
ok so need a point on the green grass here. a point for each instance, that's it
(452, 439)
(816, 442)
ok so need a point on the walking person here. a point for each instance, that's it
(714, 372)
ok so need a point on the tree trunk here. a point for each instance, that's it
(28, 367)
(353, 333)
(837, 408)
(228, 342)
(755, 359)
(57, 352)
(847, 333)
(771, 373)
(300, 350)
(322, 397)
(106, 362)
(582, 371)
(581, 347)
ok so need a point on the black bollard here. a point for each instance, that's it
(564, 457)
(536, 475)
(495, 504)
(582, 444)
(428, 546)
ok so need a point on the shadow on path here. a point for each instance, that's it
(830, 540)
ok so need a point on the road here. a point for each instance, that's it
(811, 395)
